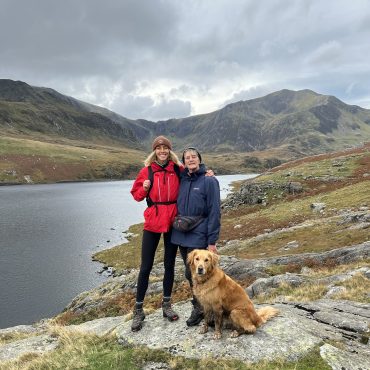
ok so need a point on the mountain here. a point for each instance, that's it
(303, 122)
(300, 122)
(28, 111)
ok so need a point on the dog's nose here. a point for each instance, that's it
(200, 270)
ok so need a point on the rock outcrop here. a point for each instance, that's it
(339, 328)
(238, 269)
(257, 193)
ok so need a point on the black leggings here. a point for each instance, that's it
(184, 254)
(148, 248)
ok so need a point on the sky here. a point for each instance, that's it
(161, 59)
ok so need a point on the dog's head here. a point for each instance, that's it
(202, 261)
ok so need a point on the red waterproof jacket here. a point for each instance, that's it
(159, 217)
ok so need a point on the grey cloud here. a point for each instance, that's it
(328, 52)
(185, 52)
(83, 36)
(145, 106)
(166, 109)
(252, 93)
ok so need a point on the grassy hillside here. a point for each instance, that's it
(339, 180)
(24, 160)
(31, 111)
(46, 159)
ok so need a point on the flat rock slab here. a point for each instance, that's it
(336, 320)
(19, 329)
(344, 360)
(99, 327)
(281, 337)
(38, 344)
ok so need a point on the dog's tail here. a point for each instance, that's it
(266, 313)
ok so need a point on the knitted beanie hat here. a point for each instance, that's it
(161, 140)
(192, 149)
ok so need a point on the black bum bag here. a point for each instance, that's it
(186, 223)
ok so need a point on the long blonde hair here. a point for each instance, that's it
(152, 158)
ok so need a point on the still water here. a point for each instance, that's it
(48, 234)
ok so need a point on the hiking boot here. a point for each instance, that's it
(169, 312)
(196, 315)
(137, 319)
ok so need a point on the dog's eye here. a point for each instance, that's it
(206, 260)
(197, 258)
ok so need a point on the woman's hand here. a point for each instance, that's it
(212, 248)
(146, 185)
(210, 173)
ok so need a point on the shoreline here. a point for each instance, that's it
(98, 180)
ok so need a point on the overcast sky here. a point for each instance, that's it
(160, 59)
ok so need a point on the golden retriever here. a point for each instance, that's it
(221, 297)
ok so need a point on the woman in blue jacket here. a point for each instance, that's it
(199, 195)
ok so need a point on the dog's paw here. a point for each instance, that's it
(217, 335)
(203, 329)
(234, 334)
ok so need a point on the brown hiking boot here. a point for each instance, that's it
(137, 319)
(169, 312)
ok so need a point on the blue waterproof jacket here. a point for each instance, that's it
(199, 195)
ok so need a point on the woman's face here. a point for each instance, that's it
(162, 153)
(191, 160)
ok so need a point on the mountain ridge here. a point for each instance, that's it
(299, 119)
(245, 136)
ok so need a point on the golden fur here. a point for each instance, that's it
(222, 297)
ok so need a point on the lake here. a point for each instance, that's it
(48, 234)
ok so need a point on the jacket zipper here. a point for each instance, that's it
(168, 189)
(159, 190)
(187, 197)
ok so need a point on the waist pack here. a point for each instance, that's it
(186, 223)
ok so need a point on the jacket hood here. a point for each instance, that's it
(200, 172)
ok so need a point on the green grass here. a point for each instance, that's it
(58, 160)
(64, 150)
(127, 255)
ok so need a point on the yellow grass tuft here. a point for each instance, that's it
(304, 293)
(357, 289)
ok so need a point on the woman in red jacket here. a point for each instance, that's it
(161, 195)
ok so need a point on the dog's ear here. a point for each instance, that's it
(215, 258)
(191, 257)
